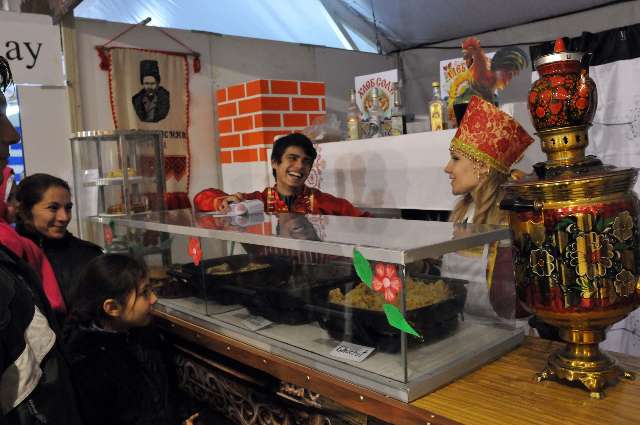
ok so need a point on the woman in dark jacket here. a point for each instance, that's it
(44, 212)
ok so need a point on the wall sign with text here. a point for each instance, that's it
(31, 44)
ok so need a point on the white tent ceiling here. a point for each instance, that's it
(357, 24)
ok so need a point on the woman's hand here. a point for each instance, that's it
(192, 419)
(222, 203)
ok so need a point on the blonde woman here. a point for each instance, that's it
(486, 145)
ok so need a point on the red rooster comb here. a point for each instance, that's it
(471, 42)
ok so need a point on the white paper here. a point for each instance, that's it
(253, 206)
(351, 352)
(255, 323)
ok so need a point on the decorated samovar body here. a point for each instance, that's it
(575, 227)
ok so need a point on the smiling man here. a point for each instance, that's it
(291, 160)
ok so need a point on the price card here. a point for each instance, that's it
(351, 352)
(255, 323)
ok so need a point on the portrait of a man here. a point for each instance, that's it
(152, 102)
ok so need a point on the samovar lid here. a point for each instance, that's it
(559, 54)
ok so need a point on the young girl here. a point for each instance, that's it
(119, 364)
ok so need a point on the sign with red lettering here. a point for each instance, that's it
(383, 81)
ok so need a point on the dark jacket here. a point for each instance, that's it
(121, 377)
(68, 257)
(161, 110)
(26, 325)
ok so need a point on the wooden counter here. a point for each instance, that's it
(504, 392)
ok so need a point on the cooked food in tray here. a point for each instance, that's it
(419, 294)
(118, 173)
(226, 269)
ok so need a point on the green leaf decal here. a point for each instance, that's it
(563, 224)
(397, 320)
(363, 268)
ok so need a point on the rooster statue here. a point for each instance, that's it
(484, 75)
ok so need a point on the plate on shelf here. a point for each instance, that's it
(111, 215)
(112, 181)
(122, 214)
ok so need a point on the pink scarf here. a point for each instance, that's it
(30, 252)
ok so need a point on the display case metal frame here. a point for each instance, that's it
(401, 252)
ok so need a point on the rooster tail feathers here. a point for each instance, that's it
(509, 58)
(506, 63)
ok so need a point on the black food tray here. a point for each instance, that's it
(285, 301)
(278, 293)
(370, 327)
(236, 287)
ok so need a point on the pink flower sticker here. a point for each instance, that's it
(386, 280)
(195, 252)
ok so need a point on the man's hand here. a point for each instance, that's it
(222, 203)
(191, 420)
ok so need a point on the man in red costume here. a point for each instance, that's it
(291, 159)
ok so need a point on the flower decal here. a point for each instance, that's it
(541, 262)
(623, 226)
(195, 252)
(625, 283)
(591, 255)
(587, 288)
(386, 280)
(108, 234)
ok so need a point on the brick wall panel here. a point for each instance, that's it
(267, 120)
(313, 117)
(225, 157)
(312, 89)
(295, 120)
(243, 123)
(235, 92)
(269, 136)
(257, 87)
(221, 95)
(284, 87)
(254, 138)
(275, 103)
(230, 141)
(245, 155)
(225, 126)
(249, 106)
(227, 110)
(304, 104)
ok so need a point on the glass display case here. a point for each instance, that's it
(397, 306)
(116, 173)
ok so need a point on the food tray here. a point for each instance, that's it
(370, 327)
(236, 287)
(285, 301)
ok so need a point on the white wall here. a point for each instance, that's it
(421, 67)
(226, 60)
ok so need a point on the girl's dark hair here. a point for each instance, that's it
(107, 276)
(31, 190)
(6, 77)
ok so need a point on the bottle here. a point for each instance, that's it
(354, 116)
(437, 109)
(376, 115)
(398, 120)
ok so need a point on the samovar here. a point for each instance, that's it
(575, 227)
